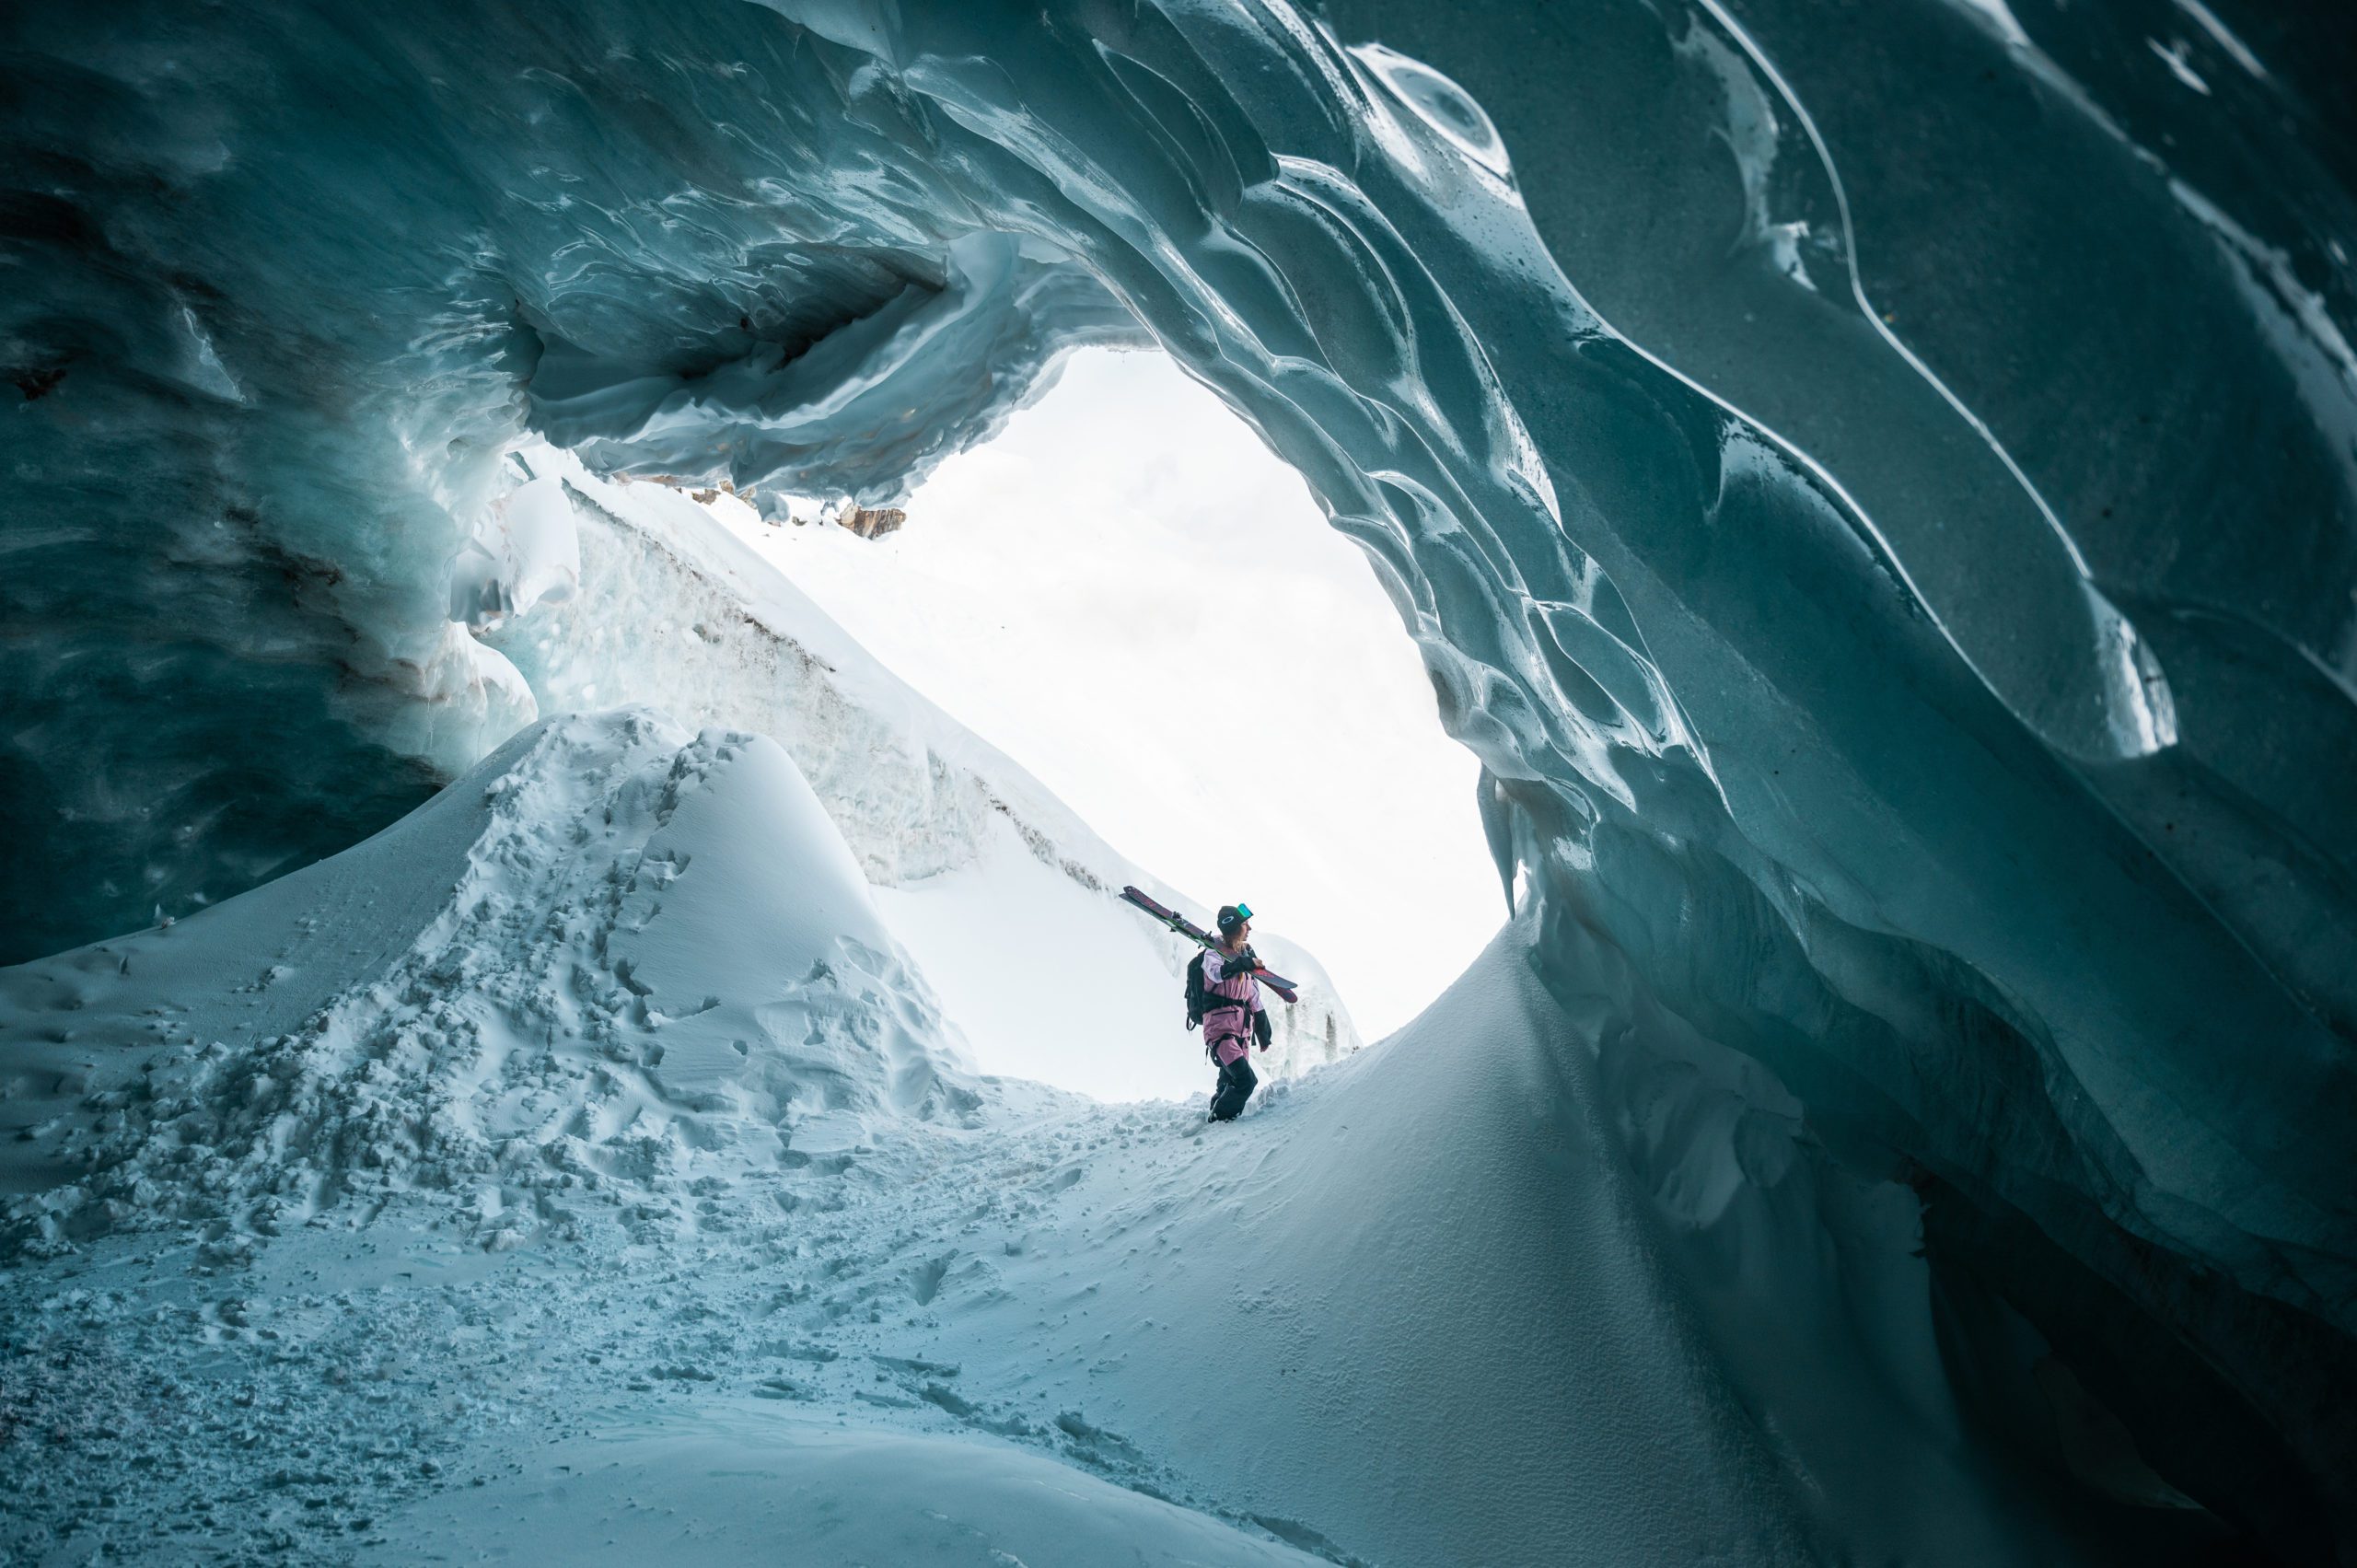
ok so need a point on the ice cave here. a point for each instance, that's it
(1873, 490)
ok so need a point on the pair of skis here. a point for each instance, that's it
(1185, 927)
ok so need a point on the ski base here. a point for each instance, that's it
(1185, 927)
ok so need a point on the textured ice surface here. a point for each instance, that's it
(1898, 581)
(860, 407)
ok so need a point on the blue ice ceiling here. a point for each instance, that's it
(1877, 488)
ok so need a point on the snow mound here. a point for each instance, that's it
(729, 1488)
(610, 942)
(1557, 1301)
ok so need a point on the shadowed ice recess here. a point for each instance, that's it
(1877, 490)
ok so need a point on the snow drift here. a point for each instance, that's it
(1872, 626)
(599, 1084)
(615, 1003)
(516, 994)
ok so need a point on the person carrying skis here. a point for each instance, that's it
(1233, 1015)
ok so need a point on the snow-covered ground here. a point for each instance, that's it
(583, 1170)
(1076, 590)
(425, 1169)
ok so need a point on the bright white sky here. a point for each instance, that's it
(1077, 592)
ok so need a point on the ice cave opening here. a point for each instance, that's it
(1905, 1117)
(1127, 594)
(1140, 615)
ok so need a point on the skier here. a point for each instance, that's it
(1233, 1013)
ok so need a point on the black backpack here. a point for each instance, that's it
(1200, 999)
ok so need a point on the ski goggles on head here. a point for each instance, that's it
(1243, 913)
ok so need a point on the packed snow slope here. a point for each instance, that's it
(579, 1169)
(1890, 537)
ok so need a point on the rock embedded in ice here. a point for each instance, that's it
(872, 522)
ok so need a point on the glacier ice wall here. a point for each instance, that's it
(1877, 492)
(860, 405)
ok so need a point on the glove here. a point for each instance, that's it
(1263, 1029)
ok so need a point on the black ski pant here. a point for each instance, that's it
(1236, 1082)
